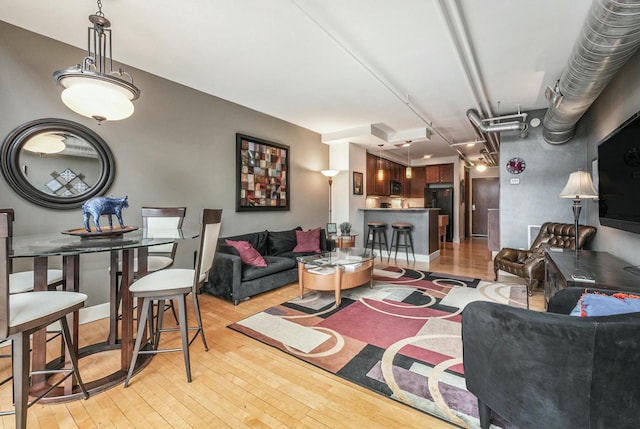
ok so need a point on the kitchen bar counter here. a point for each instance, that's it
(425, 228)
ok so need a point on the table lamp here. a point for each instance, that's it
(579, 186)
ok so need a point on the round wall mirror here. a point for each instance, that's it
(57, 163)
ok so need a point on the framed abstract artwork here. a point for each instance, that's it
(262, 182)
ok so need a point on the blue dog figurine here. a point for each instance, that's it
(99, 206)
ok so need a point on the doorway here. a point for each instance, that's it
(485, 195)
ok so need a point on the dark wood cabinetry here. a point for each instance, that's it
(415, 187)
(376, 186)
(440, 173)
(411, 188)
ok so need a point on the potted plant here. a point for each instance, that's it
(345, 228)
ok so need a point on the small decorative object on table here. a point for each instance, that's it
(99, 206)
(345, 228)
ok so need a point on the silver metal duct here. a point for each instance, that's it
(610, 36)
(492, 144)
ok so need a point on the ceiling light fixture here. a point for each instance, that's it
(90, 89)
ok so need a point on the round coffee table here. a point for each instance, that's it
(338, 270)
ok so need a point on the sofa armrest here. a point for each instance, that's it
(226, 275)
(512, 255)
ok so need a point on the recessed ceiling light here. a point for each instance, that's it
(427, 156)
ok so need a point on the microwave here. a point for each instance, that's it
(395, 187)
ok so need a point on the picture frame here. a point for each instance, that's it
(358, 179)
(332, 228)
(262, 175)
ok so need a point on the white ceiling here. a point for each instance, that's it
(341, 67)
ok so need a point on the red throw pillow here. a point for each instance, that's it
(308, 241)
(248, 254)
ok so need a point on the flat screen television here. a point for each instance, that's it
(619, 177)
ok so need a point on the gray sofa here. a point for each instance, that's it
(232, 280)
(553, 370)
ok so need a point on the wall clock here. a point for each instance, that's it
(516, 165)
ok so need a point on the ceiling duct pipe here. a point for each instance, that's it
(610, 36)
(492, 141)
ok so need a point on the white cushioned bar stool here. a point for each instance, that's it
(23, 314)
(159, 222)
(377, 230)
(176, 284)
(401, 230)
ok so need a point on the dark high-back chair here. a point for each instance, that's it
(552, 370)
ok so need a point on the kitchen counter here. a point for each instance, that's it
(424, 233)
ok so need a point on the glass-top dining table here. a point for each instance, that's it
(121, 246)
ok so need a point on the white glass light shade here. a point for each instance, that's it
(45, 143)
(97, 99)
(330, 173)
(408, 172)
(481, 167)
(579, 186)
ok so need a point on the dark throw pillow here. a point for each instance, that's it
(279, 242)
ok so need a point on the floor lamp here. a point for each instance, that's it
(330, 174)
(579, 187)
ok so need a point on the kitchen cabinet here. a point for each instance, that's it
(375, 186)
(415, 185)
(439, 173)
(411, 188)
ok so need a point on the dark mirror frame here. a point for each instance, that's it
(12, 146)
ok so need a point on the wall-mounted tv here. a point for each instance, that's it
(619, 177)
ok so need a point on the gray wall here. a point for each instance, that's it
(536, 199)
(178, 148)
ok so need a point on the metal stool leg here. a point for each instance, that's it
(393, 235)
(386, 244)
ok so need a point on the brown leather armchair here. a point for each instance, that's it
(529, 264)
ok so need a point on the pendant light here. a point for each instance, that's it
(408, 169)
(380, 170)
(93, 89)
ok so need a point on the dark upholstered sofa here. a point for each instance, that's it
(553, 370)
(233, 280)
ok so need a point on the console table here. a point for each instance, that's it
(606, 270)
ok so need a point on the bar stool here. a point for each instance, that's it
(379, 230)
(401, 229)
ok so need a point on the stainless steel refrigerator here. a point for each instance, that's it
(442, 198)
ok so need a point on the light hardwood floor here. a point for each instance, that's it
(239, 382)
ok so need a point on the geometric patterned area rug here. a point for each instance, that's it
(400, 338)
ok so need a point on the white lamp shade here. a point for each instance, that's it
(96, 98)
(579, 186)
(330, 173)
(45, 143)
